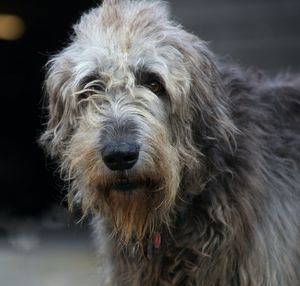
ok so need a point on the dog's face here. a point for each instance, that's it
(124, 98)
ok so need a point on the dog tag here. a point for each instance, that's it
(156, 240)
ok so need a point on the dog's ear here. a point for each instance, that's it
(60, 106)
(206, 124)
(209, 100)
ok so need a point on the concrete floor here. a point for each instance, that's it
(43, 252)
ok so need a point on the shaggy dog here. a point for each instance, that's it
(189, 167)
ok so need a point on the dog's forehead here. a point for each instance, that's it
(119, 36)
(119, 41)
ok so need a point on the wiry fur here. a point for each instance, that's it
(220, 153)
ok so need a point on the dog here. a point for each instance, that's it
(188, 166)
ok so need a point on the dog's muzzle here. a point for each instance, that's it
(120, 155)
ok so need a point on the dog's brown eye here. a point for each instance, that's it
(151, 81)
(156, 87)
(90, 88)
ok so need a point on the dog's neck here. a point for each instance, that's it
(162, 239)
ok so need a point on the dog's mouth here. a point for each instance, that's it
(125, 184)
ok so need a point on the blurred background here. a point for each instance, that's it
(40, 243)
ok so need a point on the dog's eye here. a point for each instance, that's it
(155, 86)
(153, 82)
(90, 86)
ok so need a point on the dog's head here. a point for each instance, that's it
(132, 100)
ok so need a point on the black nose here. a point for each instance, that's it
(119, 156)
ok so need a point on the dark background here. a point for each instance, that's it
(261, 34)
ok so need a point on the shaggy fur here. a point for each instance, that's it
(217, 177)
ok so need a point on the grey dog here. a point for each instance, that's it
(188, 166)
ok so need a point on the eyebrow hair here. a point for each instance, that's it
(142, 75)
(87, 79)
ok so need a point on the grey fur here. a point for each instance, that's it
(221, 148)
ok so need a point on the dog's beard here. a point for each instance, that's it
(137, 213)
(138, 202)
